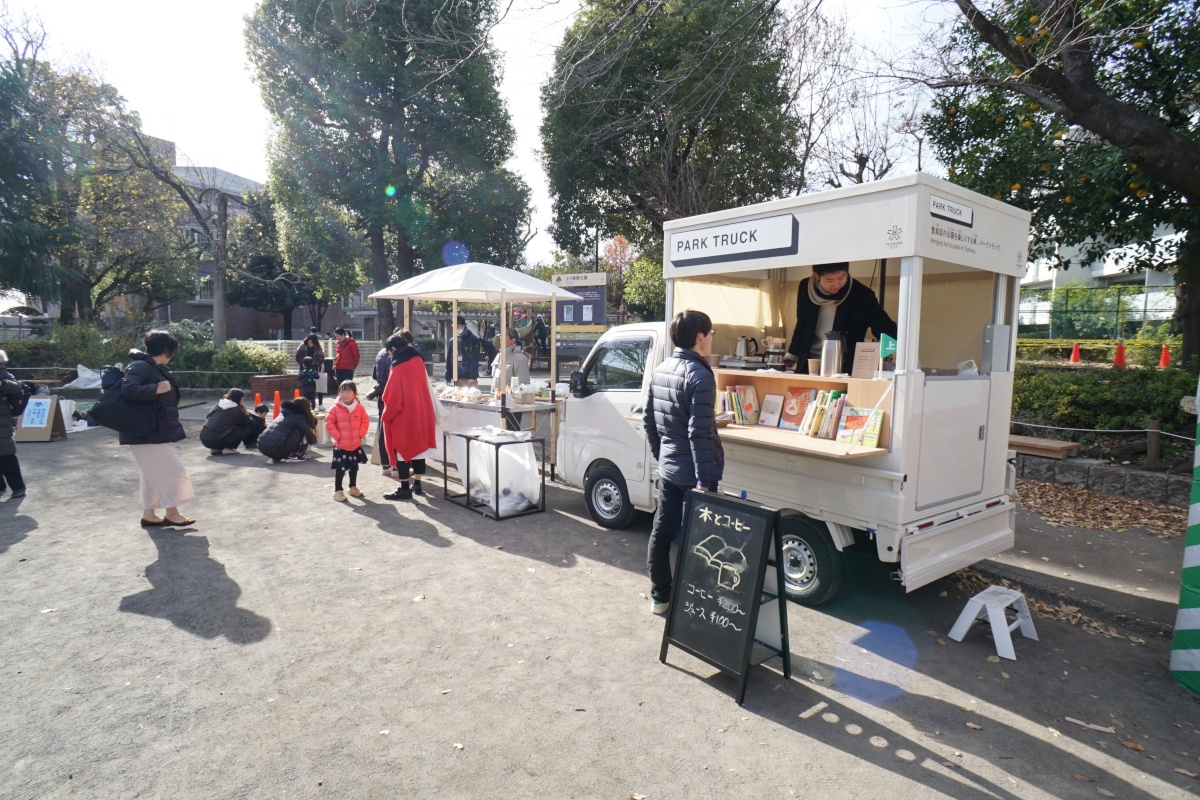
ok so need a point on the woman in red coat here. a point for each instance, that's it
(408, 420)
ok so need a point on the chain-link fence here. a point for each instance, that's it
(1096, 312)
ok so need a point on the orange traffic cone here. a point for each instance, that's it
(1119, 358)
(275, 412)
(297, 397)
(1165, 361)
(1075, 354)
(257, 399)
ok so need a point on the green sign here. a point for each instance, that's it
(887, 346)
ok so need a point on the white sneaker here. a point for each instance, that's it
(659, 608)
(293, 460)
(229, 451)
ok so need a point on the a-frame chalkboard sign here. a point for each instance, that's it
(725, 549)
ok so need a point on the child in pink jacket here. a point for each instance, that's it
(347, 423)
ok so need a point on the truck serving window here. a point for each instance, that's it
(618, 364)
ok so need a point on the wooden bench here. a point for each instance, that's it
(1047, 448)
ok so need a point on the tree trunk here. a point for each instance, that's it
(220, 269)
(1187, 310)
(287, 323)
(379, 271)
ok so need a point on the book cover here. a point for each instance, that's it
(749, 400)
(812, 417)
(772, 408)
(860, 419)
(795, 404)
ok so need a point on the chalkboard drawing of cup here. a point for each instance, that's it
(729, 562)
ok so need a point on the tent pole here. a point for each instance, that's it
(553, 344)
(454, 333)
(503, 348)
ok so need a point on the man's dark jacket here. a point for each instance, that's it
(680, 420)
(10, 392)
(225, 427)
(140, 385)
(859, 311)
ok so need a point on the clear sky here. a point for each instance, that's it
(183, 68)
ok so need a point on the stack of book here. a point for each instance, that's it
(821, 415)
(741, 402)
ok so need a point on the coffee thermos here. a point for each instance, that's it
(831, 355)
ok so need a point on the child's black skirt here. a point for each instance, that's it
(347, 459)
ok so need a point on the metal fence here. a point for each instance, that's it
(1095, 312)
(23, 328)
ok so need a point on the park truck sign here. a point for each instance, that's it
(756, 238)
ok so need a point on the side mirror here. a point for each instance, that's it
(578, 387)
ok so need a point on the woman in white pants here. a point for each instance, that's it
(165, 482)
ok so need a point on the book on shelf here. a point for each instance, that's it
(796, 401)
(860, 419)
(748, 401)
(772, 407)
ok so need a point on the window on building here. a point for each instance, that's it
(205, 289)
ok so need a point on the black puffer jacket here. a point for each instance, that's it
(224, 423)
(10, 392)
(140, 385)
(680, 420)
(859, 311)
(286, 433)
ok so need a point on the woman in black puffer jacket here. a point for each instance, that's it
(229, 424)
(289, 435)
(164, 481)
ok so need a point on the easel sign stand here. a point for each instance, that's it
(721, 586)
(42, 421)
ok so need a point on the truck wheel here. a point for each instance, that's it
(607, 498)
(812, 567)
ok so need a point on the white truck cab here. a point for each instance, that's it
(934, 495)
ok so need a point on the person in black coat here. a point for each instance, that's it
(832, 302)
(288, 436)
(468, 350)
(311, 348)
(229, 424)
(164, 481)
(680, 423)
(10, 467)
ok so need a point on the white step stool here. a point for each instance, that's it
(991, 603)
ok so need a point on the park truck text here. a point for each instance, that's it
(719, 240)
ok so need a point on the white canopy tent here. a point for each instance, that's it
(474, 282)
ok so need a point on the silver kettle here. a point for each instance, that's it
(743, 346)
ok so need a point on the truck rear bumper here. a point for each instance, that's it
(936, 548)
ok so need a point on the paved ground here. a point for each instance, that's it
(291, 646)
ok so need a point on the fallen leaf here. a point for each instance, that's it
(418, 598)
(1044, 558)
(1105, 792)
(447, 691)
(1004, 675)
(944, 594)
(993, 659)
(1069, 505)
(974, 727)
(458, 746)
(49, 610)
(1133, 746)
(1136, 640)
(1084, 778)
(940, 641)
(385, 732)
(1182, 771)
(497, 547)
(636, 796)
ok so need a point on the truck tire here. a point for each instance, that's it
(813, 568)
(607, 497)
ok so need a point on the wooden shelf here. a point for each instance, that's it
(792, 441)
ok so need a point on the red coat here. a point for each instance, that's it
(347, 354)
(347, 426)
(408, 420)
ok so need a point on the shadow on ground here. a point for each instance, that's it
(194, 592)
(14, 526)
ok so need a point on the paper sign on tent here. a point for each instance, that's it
(888, 345)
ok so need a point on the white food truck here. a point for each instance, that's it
(933, 495)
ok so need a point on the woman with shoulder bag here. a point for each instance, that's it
(164, 481)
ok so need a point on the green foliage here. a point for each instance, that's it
(1102, 399)
(250, 357)
(1085, 192)
(663, 110)
(646, 290)
(395, 116)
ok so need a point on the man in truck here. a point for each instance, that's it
(680, 423)
(833, 302)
